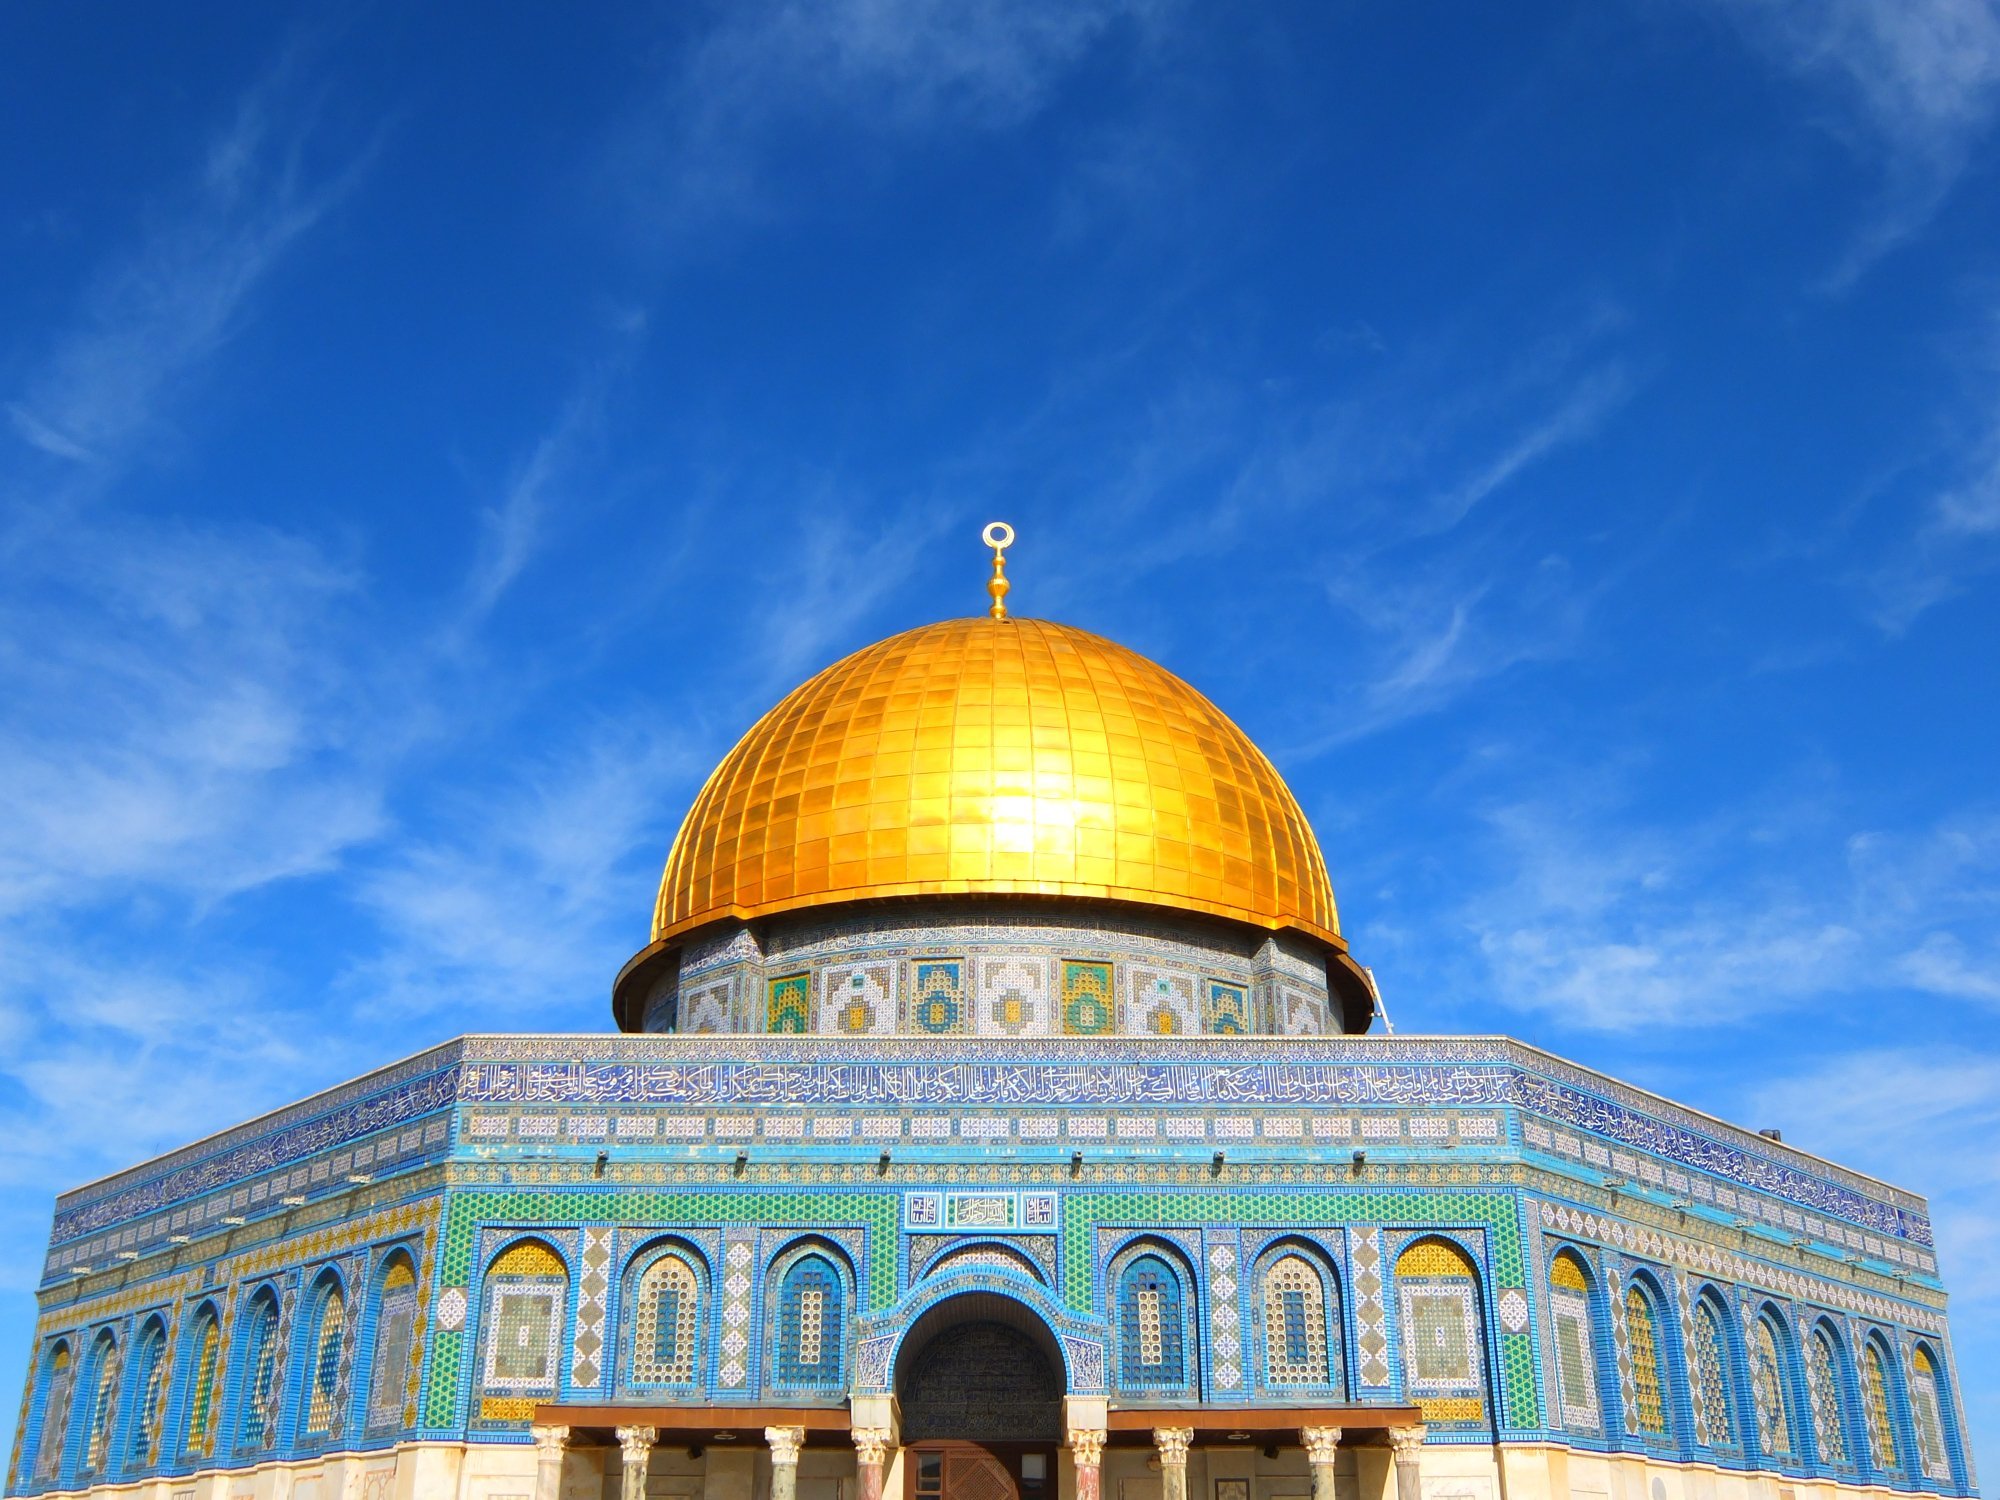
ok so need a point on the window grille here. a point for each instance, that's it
(810, 1325)
(55, 1414)
(1768, 1382)
(1875, 1395)
(324, 1373)
(668, 1331)
(1711, 1378)
(1642, 1343)
(1295, 1334)
(395, 1331)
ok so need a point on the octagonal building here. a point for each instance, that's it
(994, 1114)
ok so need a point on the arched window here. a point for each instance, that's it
(1301, 1323)
(103, 1389)
(526, 1291)
(1875, 1401)
(1152, 1331)
(667, 1337)
(58, 1387)
(329, 1335)
(257, 1403)
(1823, 1389)
(1770, 1380)
(1714, 1421)
(1927, 1408)
(149, 1382)
(1575, 1329)
(395, 1332)
(204, 1375)
(1444, 1357)
(812, 1326)
(1642, 1346)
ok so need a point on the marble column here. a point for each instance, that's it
(1322, 1445)
(550, 1442)
(635, 1457)
(871, 1452)
(1408, 1445)
(785, 1444)
(1172, 1443)
(1086, 1451)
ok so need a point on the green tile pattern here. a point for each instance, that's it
(543, 1206)
(1083, 1212)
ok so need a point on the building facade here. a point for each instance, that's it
(994, 1116)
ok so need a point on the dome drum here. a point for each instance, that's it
(994, 966)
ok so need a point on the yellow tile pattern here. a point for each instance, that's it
(1008, 756)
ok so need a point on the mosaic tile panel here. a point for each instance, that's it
(857, 999)
(1225, 1008)
(1012, 997)
(1371, 1318)
(938, 1002)
(739, 1258)
(708, 1008)
(788, 1003)
(1158, 1001)
(1088, 1005)
(593, 1287)
(1225, 1310)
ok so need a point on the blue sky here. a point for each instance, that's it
(1567, 437)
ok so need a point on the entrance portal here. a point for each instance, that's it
(980, 1385)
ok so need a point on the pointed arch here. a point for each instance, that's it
(1825, 1392)
(526, 1302)
(808, 1344)
(257, 1372)
(101, 1383)
(394, 1320)
(668, 1282)
(1579, 1348)
(1930, 1408)
(1878, 1404)
(1771, 1383)
(58, 1394)
(148, 1383)
(204, 1380)
(1646, 1354)
(326, 1342)
(1712, 1373)
(1153, 1310)
(1299, 1322)
(1443, 1331)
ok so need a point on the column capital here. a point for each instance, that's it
(1406, 1441)
(785, 1443)
(635, 1444)
(550, 1439)
(1086, 1446)
(1173, 1444)
(1321, 1443)
(871, 1444)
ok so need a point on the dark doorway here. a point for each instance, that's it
(981, 1382)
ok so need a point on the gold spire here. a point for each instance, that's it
(999, 536)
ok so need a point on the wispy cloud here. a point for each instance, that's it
(520, 903)
(1955, 541)
(1613, 925)
(180, 716)
(1922, 80)
(155, 315)
(840, 565)
(704, 150)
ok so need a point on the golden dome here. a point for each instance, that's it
(996, 756)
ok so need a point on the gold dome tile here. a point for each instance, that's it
(1003, 756)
